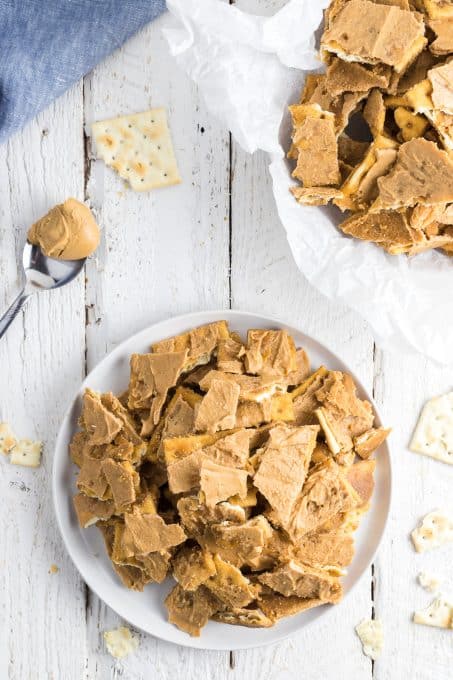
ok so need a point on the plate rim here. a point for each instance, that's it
(190, 320)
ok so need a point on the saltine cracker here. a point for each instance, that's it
(139, 148)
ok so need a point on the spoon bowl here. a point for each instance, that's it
(41, 273)
(45, 273)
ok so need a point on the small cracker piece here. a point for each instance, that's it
(7, 438)
(26, 452)
(433, 434)
(438, 614)
(371, 636)
(428, 581)
(435, 529)
(139, 148)
(120, 642)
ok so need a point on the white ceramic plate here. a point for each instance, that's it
(146, 610)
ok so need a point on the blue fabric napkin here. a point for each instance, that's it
(47, 45)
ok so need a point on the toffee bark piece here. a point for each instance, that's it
(101, 425)
(360, 477)
(230, 355)
(366, 443)
(217, 410)
(184, 474)
(92, 510)
(443, 44)
(252, 388)
(348, 76)
(326, 493)
(192, 566)
(190, 611)
(316, 144)
(218, 482)
(438, 9)
(296, 579)
(374, 113)
(240, 544)
(155, 565)
(122, 480)
(152, 375)
(92, 480)
(79, 447)
(422, 174)
(196, 516)
(304, 398)
(323, 548)
(342, 414)
(251, 618)
(277, 607)
(315, 195)
(200, 343)
(373, 33)
(302, 370)
(229, 585)
(149, 533)
(388, 229)
(270, 353)
(441, 79)
(279, 407)
(283, 467)
(362, 180)
(129, 428)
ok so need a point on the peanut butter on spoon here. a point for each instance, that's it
(68, 231)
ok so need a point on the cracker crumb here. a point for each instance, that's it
(371, 636)
(120, 642)
(428, 581)
(53, 569)
(26, 452)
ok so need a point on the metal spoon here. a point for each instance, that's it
(41, 273)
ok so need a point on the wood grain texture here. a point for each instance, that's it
(163, 253)
(402, 386)
(266, 280)
(41, 360)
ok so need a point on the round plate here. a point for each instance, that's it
(86, 547)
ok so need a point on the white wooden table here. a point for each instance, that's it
(213, 242)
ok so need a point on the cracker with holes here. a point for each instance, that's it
(435, 529)
(438, 614)
(139, 148)
(433, 434)
(26, 452)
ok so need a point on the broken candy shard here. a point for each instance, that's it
(150, 533)
(372, 33)
(217, 410)
(101, 425)
(423, 173)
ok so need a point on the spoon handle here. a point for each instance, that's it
(13, 311)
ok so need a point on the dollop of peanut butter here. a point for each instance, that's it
(68, 231)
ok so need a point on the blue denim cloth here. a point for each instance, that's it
(47, 45)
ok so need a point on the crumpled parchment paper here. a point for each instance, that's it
(249, 68)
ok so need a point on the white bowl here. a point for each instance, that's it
(86, 547)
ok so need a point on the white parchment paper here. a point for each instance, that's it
(248, 69)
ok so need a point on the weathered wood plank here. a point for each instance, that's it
(266, 280)
(42, 623)
(420, 485)
(163, 253)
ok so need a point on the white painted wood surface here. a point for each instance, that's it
(186, 248)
